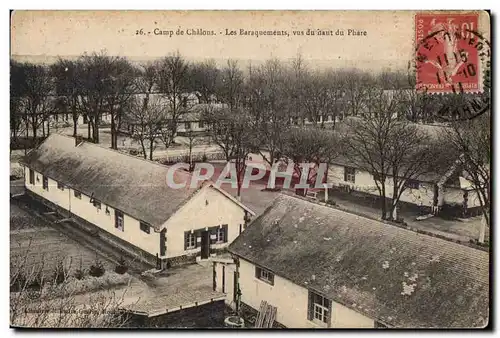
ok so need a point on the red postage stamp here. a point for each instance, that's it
(447, 53)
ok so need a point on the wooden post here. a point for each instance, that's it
(214, 276)
(482, 230)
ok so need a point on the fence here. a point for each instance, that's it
(212, 156)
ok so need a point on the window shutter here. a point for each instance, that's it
(213, 231)
(329, 314)
(224, 227)
(271, 277)
(310, 307)
(235, 286)
(196, 234)
(257, 272)
(345, 174)
(186, 234)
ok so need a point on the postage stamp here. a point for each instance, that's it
(447, 53)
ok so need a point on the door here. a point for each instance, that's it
(205, 244)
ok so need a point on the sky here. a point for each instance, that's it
(42, 36)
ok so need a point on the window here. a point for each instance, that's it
(60, 186)
(187, 125)
(349, 174)
(189, 240)
(319, 308)
(77, 194)
(145, 227)
(201, 124)
(412, 184)
(220, 233)
(32, 176)
(96, 204)
(119, 224)
(264, 275)
(45, 183)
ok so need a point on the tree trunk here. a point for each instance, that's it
(113, 141)
(34, 126)
(151, 146)
(482, 230)
(382, 202)
(27, 134)
(95, 128)
(75, 125)
(88, 129)
(394, 202)
(144, 153)
(239, 171)
(190, 156)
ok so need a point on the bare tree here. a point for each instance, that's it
(312, 146)
(229, 129)
(18, 116)
(355, 86)
(420, 104)
(67, 74)
(17, 124)
(33, 87)
(192, 137)
(45, 296)
(267, 101)
(121, 85)
(146, 114)
(392, 149)
(172, 83)
(96, 82)
(230, 88)
(472, 140)
(204, 77)
(322, 95)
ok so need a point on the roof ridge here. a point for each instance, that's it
(116, 151)
(387, 222)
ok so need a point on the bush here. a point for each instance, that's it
(331, 202)
(121, 268)
(37, 282)
(80, 272)
(97, 269)
(19, 282)
(60, 273)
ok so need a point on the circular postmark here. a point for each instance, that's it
(453, 58)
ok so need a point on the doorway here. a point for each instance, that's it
(205, 244)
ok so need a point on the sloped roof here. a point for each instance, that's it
(396, 276)
(133, 185)
(195, 113)
(441, 165)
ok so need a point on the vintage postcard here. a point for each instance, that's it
(250, 169)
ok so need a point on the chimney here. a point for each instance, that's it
(78, 140)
